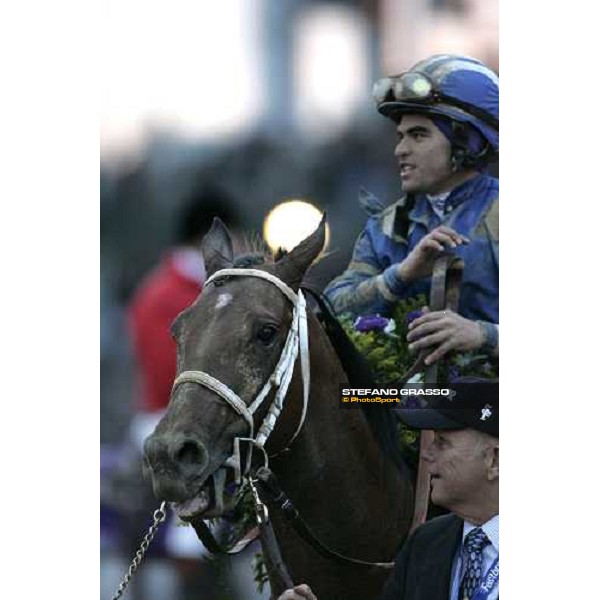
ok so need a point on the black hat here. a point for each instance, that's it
(471, 404)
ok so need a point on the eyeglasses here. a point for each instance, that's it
(417, 88)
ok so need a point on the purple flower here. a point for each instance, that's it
(412, 315)
(370, 323)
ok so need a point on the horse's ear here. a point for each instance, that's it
(217, 248)
(292, 267)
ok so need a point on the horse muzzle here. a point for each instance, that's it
(179, 468)
(176, 464)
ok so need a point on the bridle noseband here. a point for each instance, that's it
(296, 343)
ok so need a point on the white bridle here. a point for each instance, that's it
(296, 343)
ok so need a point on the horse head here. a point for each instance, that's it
(229, 342)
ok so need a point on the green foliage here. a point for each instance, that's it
(408, 441)
(389, 357)
(259, 568)
(244, 517)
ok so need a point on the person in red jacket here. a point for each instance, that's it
(166, 291)
(171, 286)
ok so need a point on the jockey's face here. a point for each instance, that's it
(463, 468)
(424, 156)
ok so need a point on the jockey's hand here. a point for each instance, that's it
(300, 592)
(419, 263)
(443, 331)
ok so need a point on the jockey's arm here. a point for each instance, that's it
(366, 286)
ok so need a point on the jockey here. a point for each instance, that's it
(446, 113)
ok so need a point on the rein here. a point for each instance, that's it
(445, 291)
(270, 485)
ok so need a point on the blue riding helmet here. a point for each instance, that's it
(458, 87)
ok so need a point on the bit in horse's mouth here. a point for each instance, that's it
(212, 500)
(195, 506)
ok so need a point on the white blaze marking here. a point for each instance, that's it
(223, 300)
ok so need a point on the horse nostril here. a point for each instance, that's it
(190, 453)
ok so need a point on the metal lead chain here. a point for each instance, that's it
(159, 516)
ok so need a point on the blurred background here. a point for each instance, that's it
(230, 109)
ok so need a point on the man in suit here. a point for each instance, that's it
(455, 556)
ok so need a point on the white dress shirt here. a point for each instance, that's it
(492, 529)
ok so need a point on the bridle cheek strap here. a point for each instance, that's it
(304, 361)
(296, 343)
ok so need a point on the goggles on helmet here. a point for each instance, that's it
(413, 87)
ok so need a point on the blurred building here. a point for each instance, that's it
(211, 72)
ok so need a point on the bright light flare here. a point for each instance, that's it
(290, 222)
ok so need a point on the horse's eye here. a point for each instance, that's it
(266, 334)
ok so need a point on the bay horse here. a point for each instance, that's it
(353, 496)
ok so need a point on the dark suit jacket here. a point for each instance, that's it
(424, 564)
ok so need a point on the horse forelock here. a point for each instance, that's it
(253, 248)
(255, 251)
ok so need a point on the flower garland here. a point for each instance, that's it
(382, 341)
